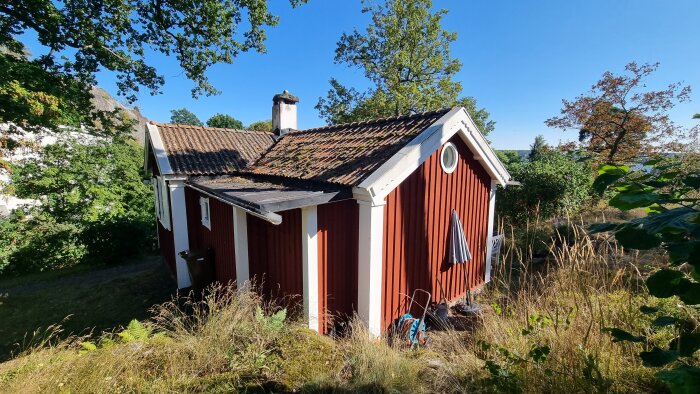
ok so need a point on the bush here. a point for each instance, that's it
(94, 206)
(553, 184)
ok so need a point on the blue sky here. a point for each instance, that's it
(520, 58)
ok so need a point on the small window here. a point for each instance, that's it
(448, 157)
(204, 205)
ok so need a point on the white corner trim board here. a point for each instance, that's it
(156, 143)
(240, 246)
(457, 121)
(369, 278)
(179, 229)
(309, 256)
(489, 231)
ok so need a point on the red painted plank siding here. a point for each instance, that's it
(274, 256)
(337, 261)
(416, 231)
(219, 238)
(167, 246)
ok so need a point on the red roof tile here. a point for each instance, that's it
(342, 154)
(197, 150)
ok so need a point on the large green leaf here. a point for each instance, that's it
(658, 357)
(627, 200)
(692, 180)
(608, 174)
(689, 292)
(686, 343)
(635, 237)
(620, 335)
(679, 252)
(679, 219)
(694, 255)
(602, 227)
(663, 321)
(648, 309)
(665, 283)
(681, 380)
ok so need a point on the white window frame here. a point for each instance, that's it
(205, 212)
(447, 147)
(162, 202)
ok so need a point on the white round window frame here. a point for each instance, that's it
(455, 155)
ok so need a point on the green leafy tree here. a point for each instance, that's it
(538, 148)
(668, 191)
(405, 54)
(509, 157)
(94, 206)
(184, 116)
(82, 37)
(620, 120)
(261, 125)
(225, 121)
(553, 184)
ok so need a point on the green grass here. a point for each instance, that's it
(81, 299)
(233, 341)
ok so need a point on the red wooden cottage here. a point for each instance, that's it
(351, 217)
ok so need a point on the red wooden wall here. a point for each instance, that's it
(337, 261)
(167, 246)
(416, 231)
(219, 238)
(274, 256)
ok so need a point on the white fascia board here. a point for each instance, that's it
(161, 154)
(384, 179)
(395, 170)
(494, 163)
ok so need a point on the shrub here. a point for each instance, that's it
(553, 184)
(94, 206)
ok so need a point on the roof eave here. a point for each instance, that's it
(395, 170)
(155, 142)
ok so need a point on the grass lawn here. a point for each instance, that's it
(81, 299)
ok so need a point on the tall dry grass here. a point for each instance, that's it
(231, 341)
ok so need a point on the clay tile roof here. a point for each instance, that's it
(197, 150)
(342, 154)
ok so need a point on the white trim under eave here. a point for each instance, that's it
(159, 151)
(395, 170)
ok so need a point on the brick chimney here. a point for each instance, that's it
(284, 113)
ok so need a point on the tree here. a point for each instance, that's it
(225, 121)
(261, 125)
(553, 184)
(618, 120)
(83, 37)
(508, 157)
(94, 207)
(538, 148)
(184, 116)
(405, 54)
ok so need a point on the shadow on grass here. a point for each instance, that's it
(92, 300)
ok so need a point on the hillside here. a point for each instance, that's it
(103, 101)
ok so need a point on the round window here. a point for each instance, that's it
(448, 157)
